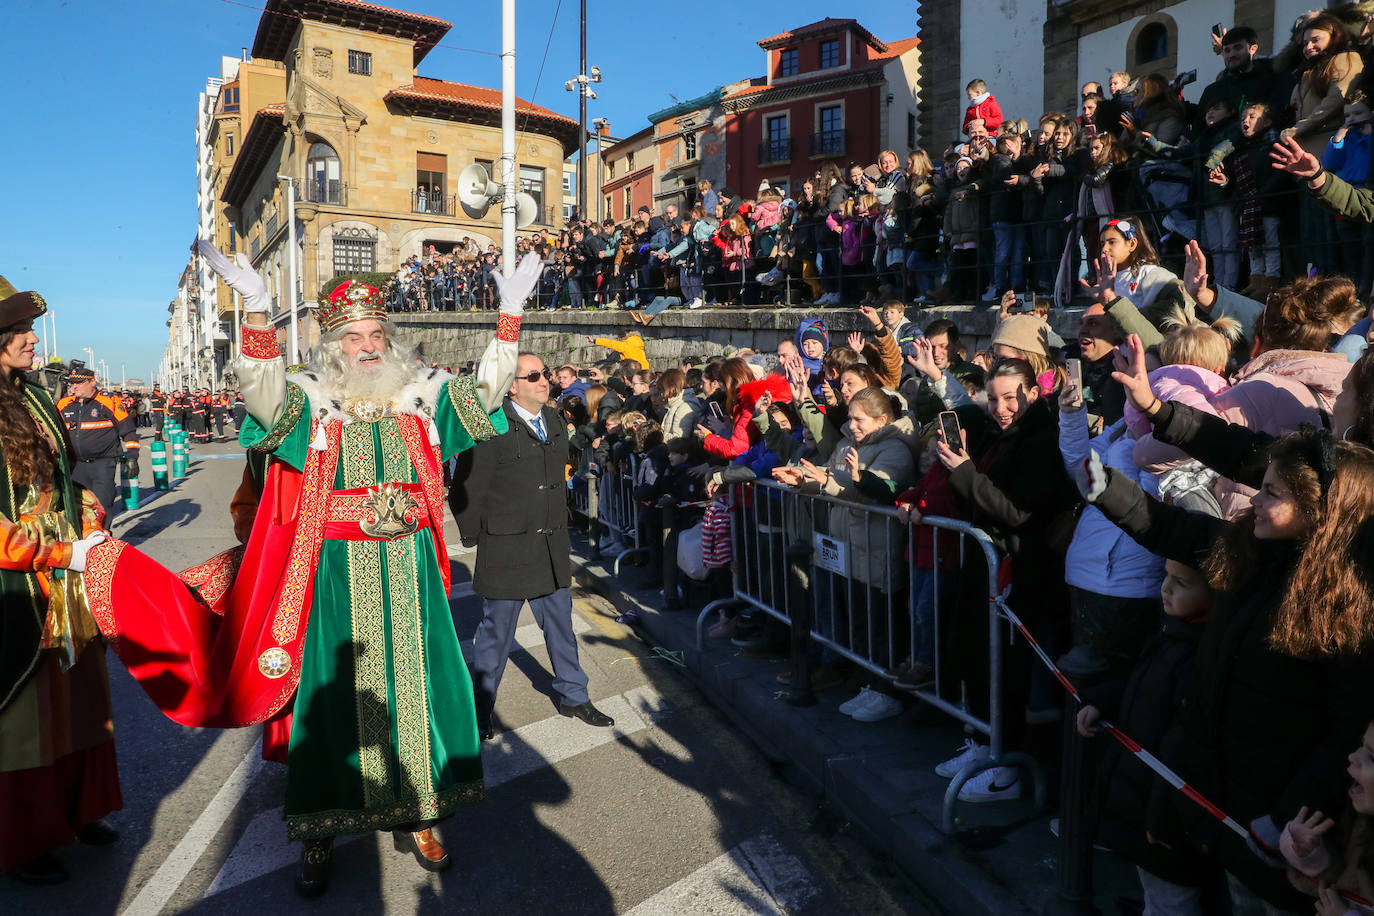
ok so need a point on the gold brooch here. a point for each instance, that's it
(365, 410)
(274, 662)
(393, 511)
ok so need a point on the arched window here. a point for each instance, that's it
(322, 183)
(1152, 43)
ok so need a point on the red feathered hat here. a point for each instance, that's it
(776, 385)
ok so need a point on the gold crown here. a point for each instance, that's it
(351, 301)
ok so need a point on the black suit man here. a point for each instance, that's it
(512, 506)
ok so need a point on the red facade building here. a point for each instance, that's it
(832, 92)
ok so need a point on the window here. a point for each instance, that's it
(629, 202)
(355, 252)
(607, 208)
(532, 183)
(689, 146)
(787, 62)
(567, 211)
(233, 238)
(1152, 43)
(830, 53)
(630, 161)
(489, 167)
(359, 62)
(910, 131)
(231, 98)
(567, 182)
(431, 170)
(228, 144)
(776, 146)
(322, 185)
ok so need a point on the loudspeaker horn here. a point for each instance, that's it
(526, 210)
(476, 190)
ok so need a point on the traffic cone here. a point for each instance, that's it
(131, 492)
(158, 456)
(179, 460)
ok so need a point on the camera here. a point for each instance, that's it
(1184, 79)
(584, 373)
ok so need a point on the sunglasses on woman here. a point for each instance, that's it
(535, 376)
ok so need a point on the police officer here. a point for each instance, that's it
(102, 435)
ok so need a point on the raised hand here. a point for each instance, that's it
(851, 463)
(1070, 398)
(1306, 831)
(856, 342)
(1289, 156)
(1007, 305)
(924, 360)
(1134, 376)
(872, 315)
(239, 275)
(515, 290)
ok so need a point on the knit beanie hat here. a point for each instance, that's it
(1024, 332)
(816, 333)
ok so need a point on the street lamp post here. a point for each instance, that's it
(581, 84)
(291, 258)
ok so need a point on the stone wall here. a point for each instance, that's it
(453, 338)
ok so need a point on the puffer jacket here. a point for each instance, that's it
(1275, 393)
(682, 415)
(1101, 557)
(873, 546)
(766, 214)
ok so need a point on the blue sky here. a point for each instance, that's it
(98, 99)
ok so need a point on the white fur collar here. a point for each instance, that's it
(419, 396)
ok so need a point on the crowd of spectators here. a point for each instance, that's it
(1184, 493)
(1017, 203)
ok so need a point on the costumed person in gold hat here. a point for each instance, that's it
(331, 625)
(58, 777)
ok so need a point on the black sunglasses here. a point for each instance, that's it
(534, 376)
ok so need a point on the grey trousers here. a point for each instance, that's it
(496, 633)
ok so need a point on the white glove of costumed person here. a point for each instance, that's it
(239, 275)
(82, 547)
(1091, 477)
(517, 289)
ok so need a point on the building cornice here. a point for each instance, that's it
(870, 76)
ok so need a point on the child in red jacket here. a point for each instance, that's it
(982, 105)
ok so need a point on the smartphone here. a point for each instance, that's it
(716, 411)
(950, 430)
(1074, 369)
(1218, 31)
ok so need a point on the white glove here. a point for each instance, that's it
(240, 276)
(80, 548)
(517, 289)
(1091, 477)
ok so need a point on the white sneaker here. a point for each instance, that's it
(972, 750)
(856, 702)
(996, 784)
(695, 303)
(880, 707)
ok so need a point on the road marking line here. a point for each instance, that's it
(164, 883)
(757, 876)
(263, 847)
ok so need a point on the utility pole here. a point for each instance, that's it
(582, 129)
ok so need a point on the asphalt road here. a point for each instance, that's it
(671, 811)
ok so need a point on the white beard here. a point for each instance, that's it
(381, 380)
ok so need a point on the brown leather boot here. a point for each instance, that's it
(428, 851)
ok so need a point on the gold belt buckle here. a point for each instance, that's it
(393, 512)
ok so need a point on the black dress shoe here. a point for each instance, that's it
(45, 869)
(587, 713)
(312, 878)
(484, 703)
(98, 833)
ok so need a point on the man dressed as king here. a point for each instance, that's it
(331, 625)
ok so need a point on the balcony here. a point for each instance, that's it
(771, 151)
(321, 191)
(829, 142)
(436, 204)
(272, 225)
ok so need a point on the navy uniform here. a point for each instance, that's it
(103, 434)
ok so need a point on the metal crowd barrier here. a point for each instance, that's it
(856, 601)
(608, 501)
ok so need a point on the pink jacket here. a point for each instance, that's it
(1191, 385)
(767, 214)
(1275, 393)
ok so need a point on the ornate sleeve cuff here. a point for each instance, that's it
(259, 343)
(508, 327)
